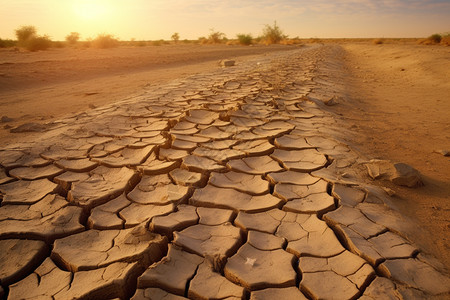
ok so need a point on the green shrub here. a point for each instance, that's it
(7, 43)
(272, 34)
(38, 43)
(245, 39)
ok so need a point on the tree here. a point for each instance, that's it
(73, 38)
(175, 37)
(272, 34)
(25, 33)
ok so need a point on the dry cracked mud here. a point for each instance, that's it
(232, 184)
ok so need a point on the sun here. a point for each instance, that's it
(90, 10)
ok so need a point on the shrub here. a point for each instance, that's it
(58, 44)
(216, 37)
(7, 43)
(157, 43)
(378, 41)
(73, 38)
(25, 33)
(38, 43)
(445, 39)
(103, 41)
(435, 38)
(175, 37)
(245, 39)
(272, 34)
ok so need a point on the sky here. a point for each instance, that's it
(159, 19)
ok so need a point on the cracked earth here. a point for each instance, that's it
(233, 184)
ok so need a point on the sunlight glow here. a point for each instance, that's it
(90, 10)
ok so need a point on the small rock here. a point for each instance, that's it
(443, 152)
(92, 106)
(389, 191)
(29, 127)
(7, 127)
(227, 63)
(332, 101)
(398, 173)
(406, 175)
(5, 119)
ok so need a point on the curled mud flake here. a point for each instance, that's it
(260, 274)
(307, 160)
(207, 240)
(26, 192)
(153, 166)
(416, 274)
(126, 157)
(201, 164)
(278, 293)
(19, 257)
(340, 276)
(250, 184)
(93, 249)
(32, 173)
(211, 196)
(102, 185)
(172, 273)
(255, 165)
(208, 284)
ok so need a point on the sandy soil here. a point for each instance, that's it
(44, 86)
(397, 104)
(400, 107)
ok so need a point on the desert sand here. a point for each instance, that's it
(153, 172)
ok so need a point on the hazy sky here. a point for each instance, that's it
(159, 19)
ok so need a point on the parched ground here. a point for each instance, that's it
(217, 183)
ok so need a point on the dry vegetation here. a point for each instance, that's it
(28, 39)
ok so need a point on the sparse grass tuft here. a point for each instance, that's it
(103, 41)
(245, 39)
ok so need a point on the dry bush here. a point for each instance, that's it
(7, 43)
(445, 40)
(73, 38)
(245, 39)
(431, 40)
(378, 41)
(25, 33)
(38, 43)
(216, 37)
(175, 37)
(272, 34)
(103, 41)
